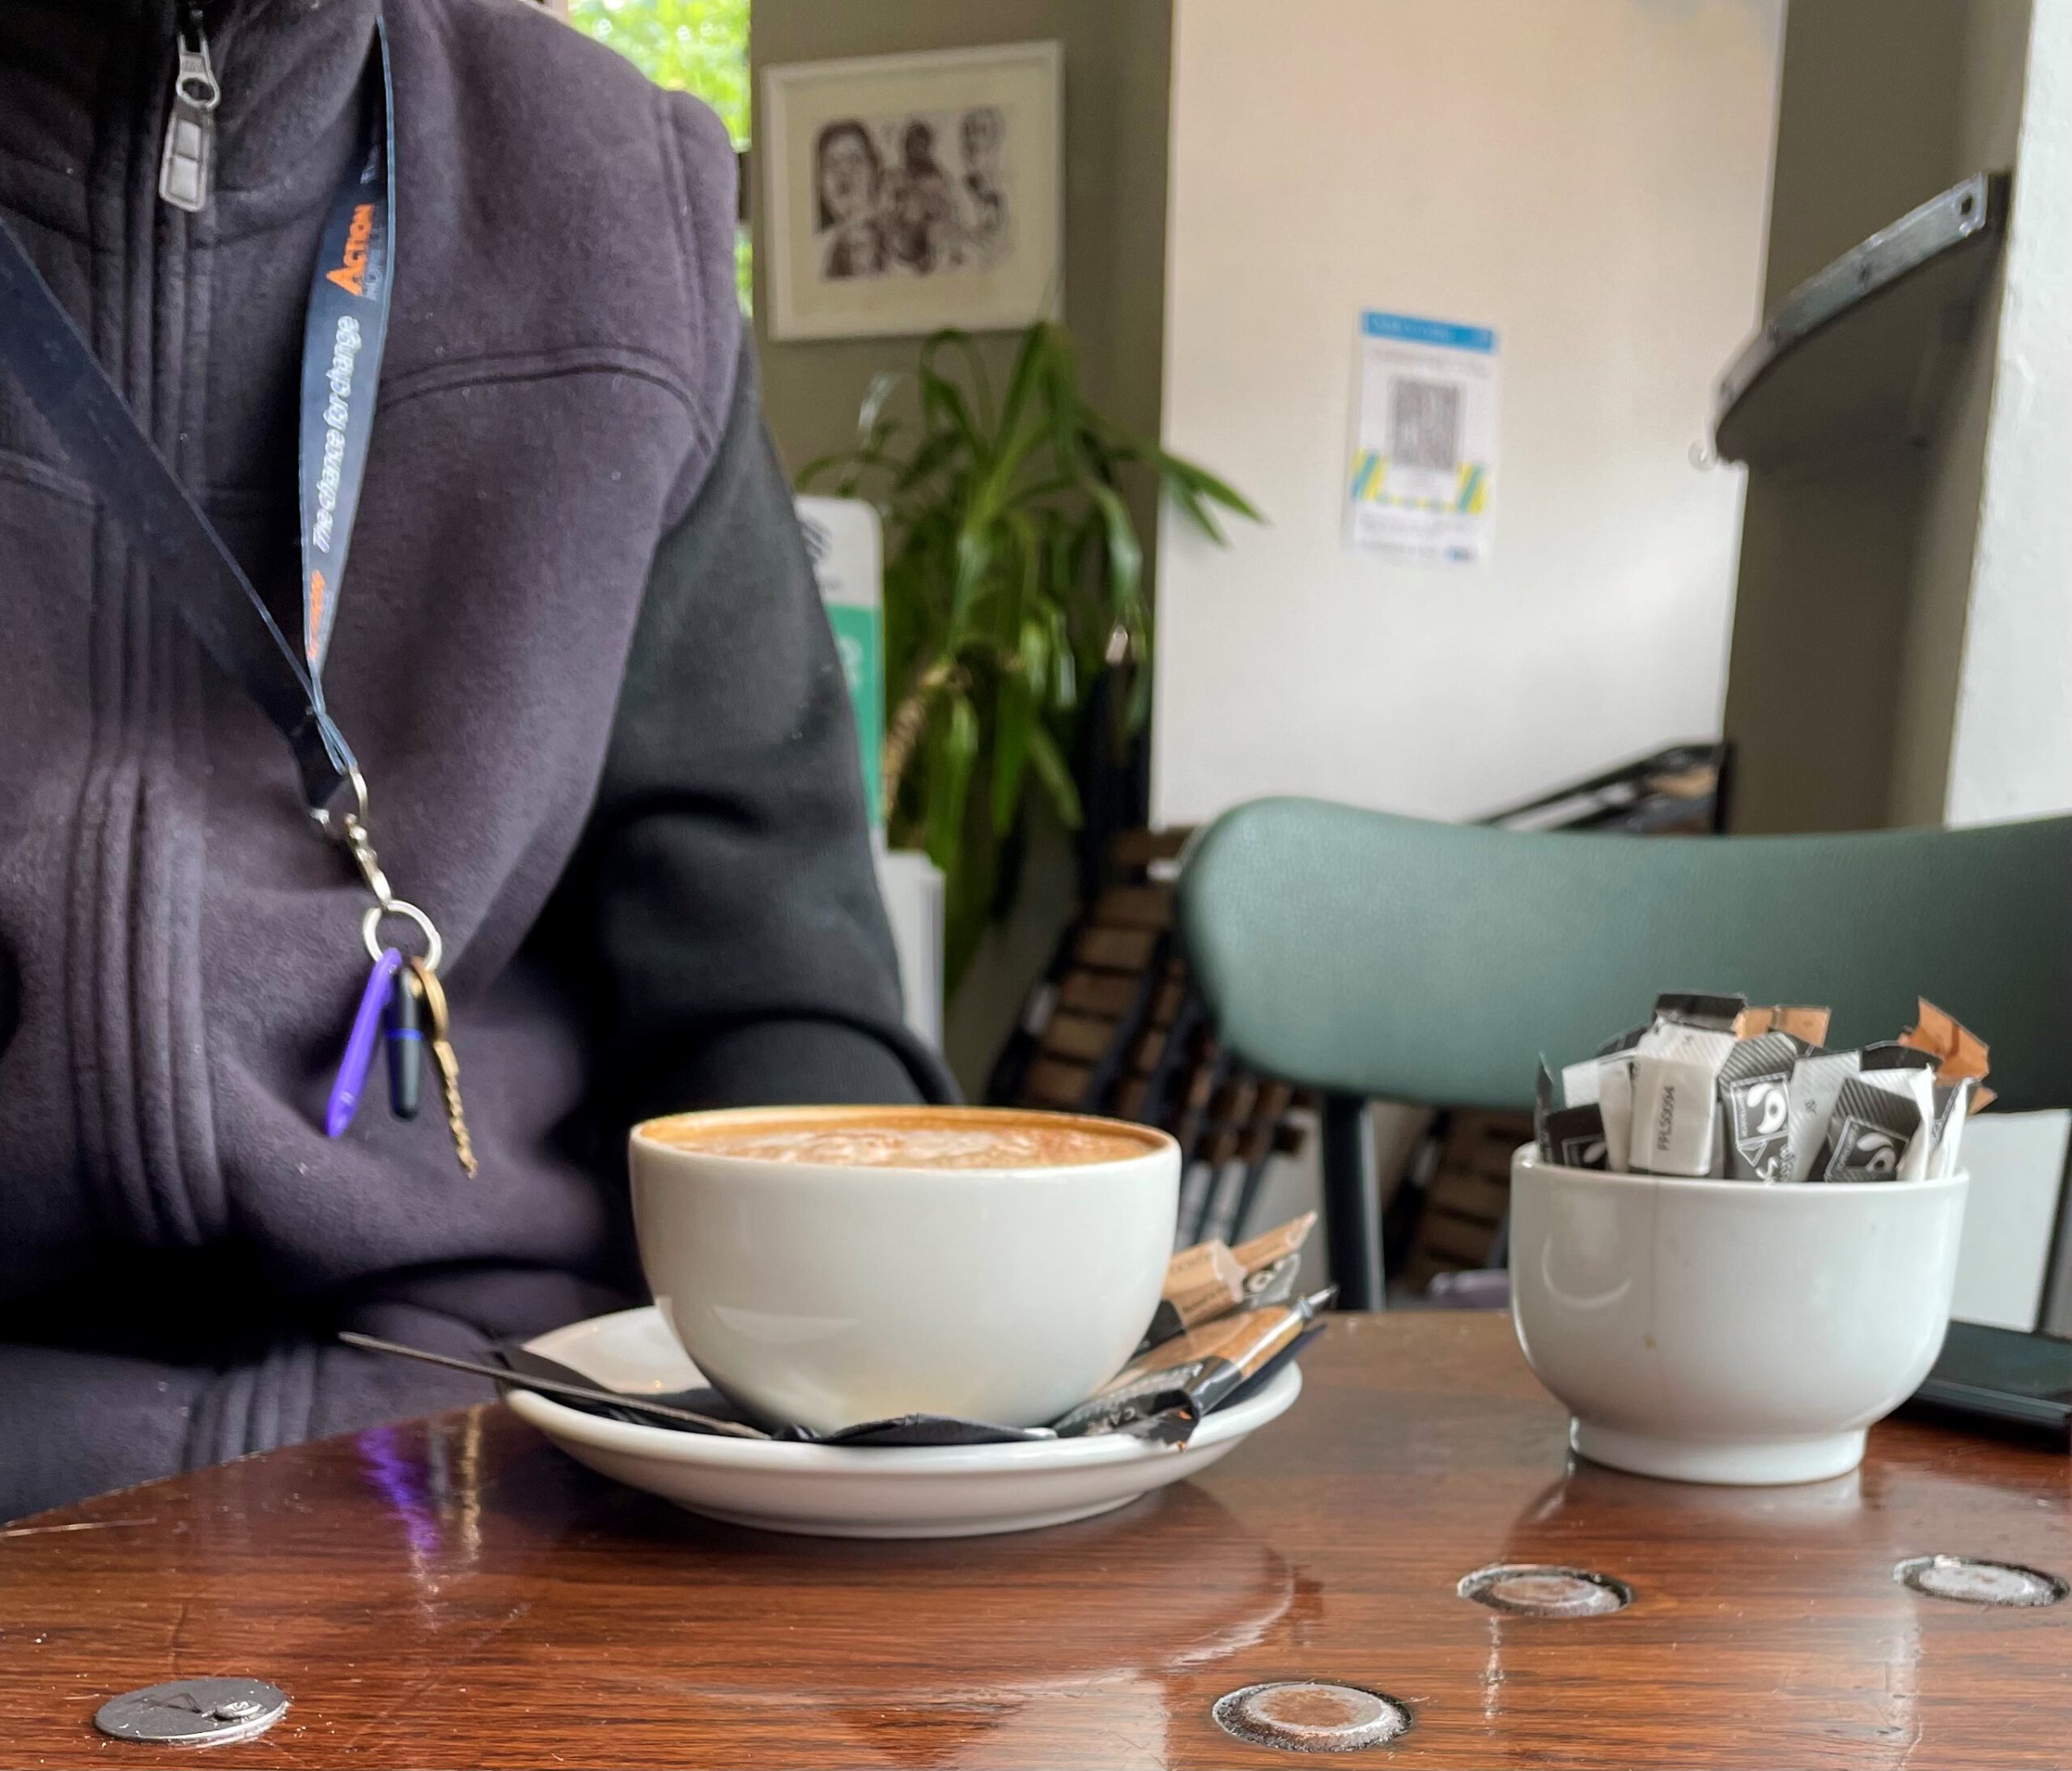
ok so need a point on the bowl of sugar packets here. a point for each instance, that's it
(1733, 1249)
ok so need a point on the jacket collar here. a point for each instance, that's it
(289, 71)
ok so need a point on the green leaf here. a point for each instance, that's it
(1033, 365)
(928, 460)
(943, 405)
(966, 346)
(1062, 409)
(1064, 662)
(952, 751)
(1125, 553)
(941, 399)
(1014, 721)
(1032, 655)
(1056, 774)
(1019, 580)
(974, 559)
(1205, 484)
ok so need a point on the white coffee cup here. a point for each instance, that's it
(1728, 1330)
(826, 1292)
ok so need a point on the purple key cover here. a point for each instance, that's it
(359, 1045)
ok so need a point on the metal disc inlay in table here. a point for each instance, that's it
(1971, 1581)
(1537, 1589)
(195, 1712)
(1298, 1716)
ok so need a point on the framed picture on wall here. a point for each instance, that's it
(908, 193)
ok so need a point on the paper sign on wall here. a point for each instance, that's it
(1425, 451)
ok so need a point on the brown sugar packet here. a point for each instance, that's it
(1810, 1025)
(1960, 1053)
(1210, 1280)
(1163, 1395)
(1201, 1282)
(1274, 1245)
(1273, 1261)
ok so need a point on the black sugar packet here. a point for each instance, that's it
(1572, 1136)
(1869, 1138)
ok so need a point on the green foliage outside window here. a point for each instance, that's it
(696, 46)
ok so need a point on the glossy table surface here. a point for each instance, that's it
(454, 1592)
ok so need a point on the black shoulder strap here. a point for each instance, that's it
(192, 566)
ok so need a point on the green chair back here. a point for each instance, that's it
(1367, 955)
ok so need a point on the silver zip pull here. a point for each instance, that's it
(190, 130)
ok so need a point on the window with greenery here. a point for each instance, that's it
(697, 46)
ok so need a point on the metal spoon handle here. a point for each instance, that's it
(503, 1375)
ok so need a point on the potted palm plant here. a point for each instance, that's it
(1014, 577)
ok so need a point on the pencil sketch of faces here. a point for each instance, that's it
(921, 194)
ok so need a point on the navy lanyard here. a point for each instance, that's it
(344, 335)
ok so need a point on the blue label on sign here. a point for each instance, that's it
(1412, 330)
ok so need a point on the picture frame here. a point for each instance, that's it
(905, 193)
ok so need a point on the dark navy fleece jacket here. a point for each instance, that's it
(578, 651)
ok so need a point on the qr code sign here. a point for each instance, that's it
(1424, 424)
(1424, 455)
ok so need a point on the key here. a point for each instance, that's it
(439, 1030)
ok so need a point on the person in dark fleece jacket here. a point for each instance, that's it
(578, 650)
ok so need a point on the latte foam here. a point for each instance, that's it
(910, 1139)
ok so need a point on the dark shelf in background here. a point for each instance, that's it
(1858, 355)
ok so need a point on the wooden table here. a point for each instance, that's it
(453, 1592)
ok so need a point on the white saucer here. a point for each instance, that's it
(838, 1491)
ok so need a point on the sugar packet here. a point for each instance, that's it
(1711, 1087)
(1572, 1135)
(1754, 1091)
(1211, 1280)
(1163, 1393)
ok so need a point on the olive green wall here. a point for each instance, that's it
(1118, 58)
(1849, 611)
(1117, 75)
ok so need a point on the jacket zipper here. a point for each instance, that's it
(190, 128)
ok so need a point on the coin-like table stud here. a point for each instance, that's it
(1971, 1581)
(195, 1712)
(1535, 1590)
(1302, 1716)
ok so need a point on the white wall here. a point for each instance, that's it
(2010, 751)
(1591, 179)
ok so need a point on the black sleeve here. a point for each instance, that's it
(722, 916)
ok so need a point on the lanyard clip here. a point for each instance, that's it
(351, 829)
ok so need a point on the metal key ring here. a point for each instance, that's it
(369, 930)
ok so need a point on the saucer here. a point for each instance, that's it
(836, 1491)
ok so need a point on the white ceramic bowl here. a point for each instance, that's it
(1727, 1331)
(825, 1295)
